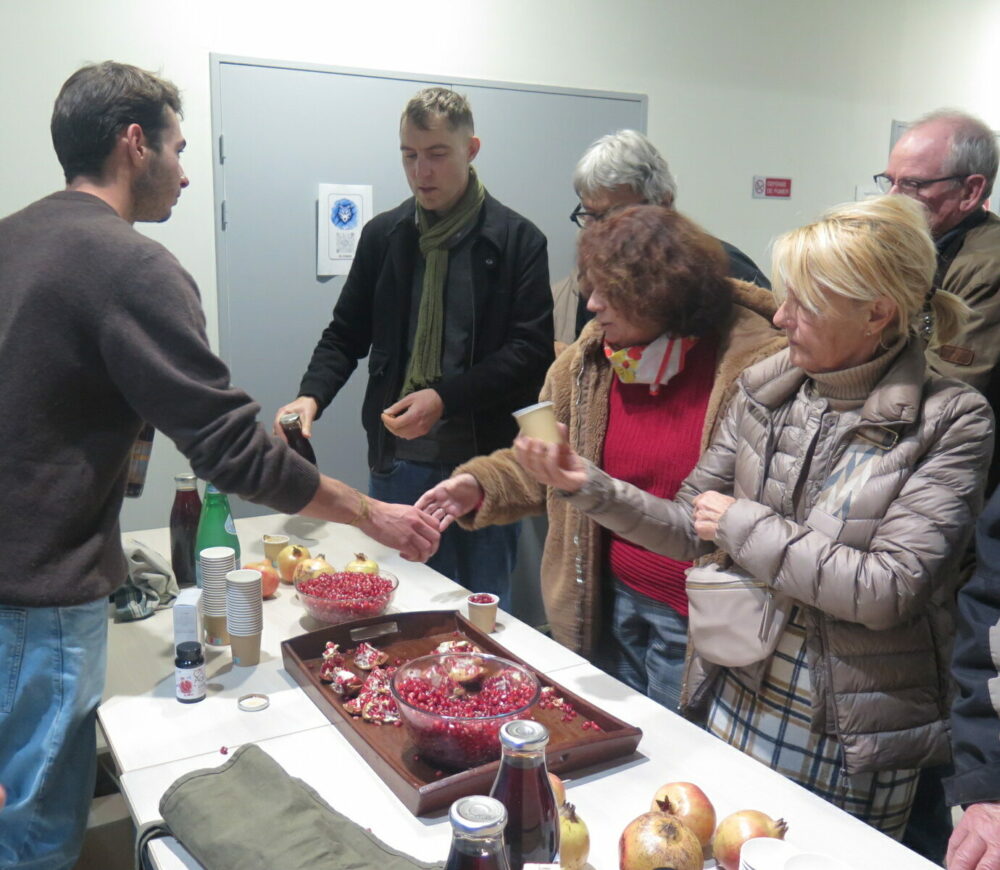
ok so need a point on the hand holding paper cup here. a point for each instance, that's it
(539, 421)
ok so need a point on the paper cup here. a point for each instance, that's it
(482, 614)
(539, 421)
(274, 544)
(216, 631)
(246, 649)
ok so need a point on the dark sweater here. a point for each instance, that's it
(101, 328)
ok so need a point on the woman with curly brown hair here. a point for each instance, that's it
(640, 392)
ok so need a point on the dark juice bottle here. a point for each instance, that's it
(291, 425)
(477, 825)
(184, 516)
(523, 787)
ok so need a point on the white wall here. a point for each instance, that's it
(799, 88)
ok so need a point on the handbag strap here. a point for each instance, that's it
(148, 833)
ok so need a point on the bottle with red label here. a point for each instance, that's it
(189, 672)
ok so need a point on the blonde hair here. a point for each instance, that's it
(878, 248)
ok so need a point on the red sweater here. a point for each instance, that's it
(654, 442)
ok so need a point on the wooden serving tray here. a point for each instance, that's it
(422, 787)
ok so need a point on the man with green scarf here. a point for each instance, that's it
(449, 298)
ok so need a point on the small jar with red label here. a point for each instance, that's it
(189, 670)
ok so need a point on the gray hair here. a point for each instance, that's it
(973, 145)
(626, 158)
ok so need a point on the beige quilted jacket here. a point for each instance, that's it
(877, 586)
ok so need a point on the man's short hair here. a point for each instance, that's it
(626, 158)
(431, 103)
(973, 145)
(97, 102)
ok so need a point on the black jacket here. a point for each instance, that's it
(511, 348)
(975, 721)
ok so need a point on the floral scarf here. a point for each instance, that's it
(654, 363)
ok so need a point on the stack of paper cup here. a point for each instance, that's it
(216, 563)
(244, 615)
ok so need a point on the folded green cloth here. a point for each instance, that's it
(249, 814)
(150, 586)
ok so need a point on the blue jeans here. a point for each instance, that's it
(481, 561)
(52, 664)
(644, 646)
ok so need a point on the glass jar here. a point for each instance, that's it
(184, 517)
(477, 825)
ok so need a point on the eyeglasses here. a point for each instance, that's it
(581, 217)
(910, 185)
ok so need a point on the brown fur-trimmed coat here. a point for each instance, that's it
(579, 384)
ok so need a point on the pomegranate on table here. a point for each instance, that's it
(574, 839)
(361, 564)
(691, 805)
(288, 558)
(269, 578)
(311, 566)
(658, 839)
(735, 829)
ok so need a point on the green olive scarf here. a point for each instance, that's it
(424, 369)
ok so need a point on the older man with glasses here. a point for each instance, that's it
(617, 170)
(947, 160)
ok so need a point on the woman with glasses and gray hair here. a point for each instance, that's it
(842, 485)
(617, 170)
(641, 393)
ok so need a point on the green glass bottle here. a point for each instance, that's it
(215, 528)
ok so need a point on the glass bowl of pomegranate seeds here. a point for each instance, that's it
(453, 704)
(346, 595)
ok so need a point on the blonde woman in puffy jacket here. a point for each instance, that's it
(845, 479)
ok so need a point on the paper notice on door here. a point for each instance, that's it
(342, 210)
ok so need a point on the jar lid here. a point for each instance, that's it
(253, 702)
(524, 734)
(189, 649)
(185, 477)
(479, 815)
(290, 419)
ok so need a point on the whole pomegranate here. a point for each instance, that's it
(734, 830)
(311, 567)
(691, 805)
(655, 840)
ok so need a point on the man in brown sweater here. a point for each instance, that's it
(101, 329)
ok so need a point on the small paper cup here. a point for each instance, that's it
(274, 544)
(482, 614)
(245, 648)
(539, 421)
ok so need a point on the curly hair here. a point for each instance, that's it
(655, 266)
